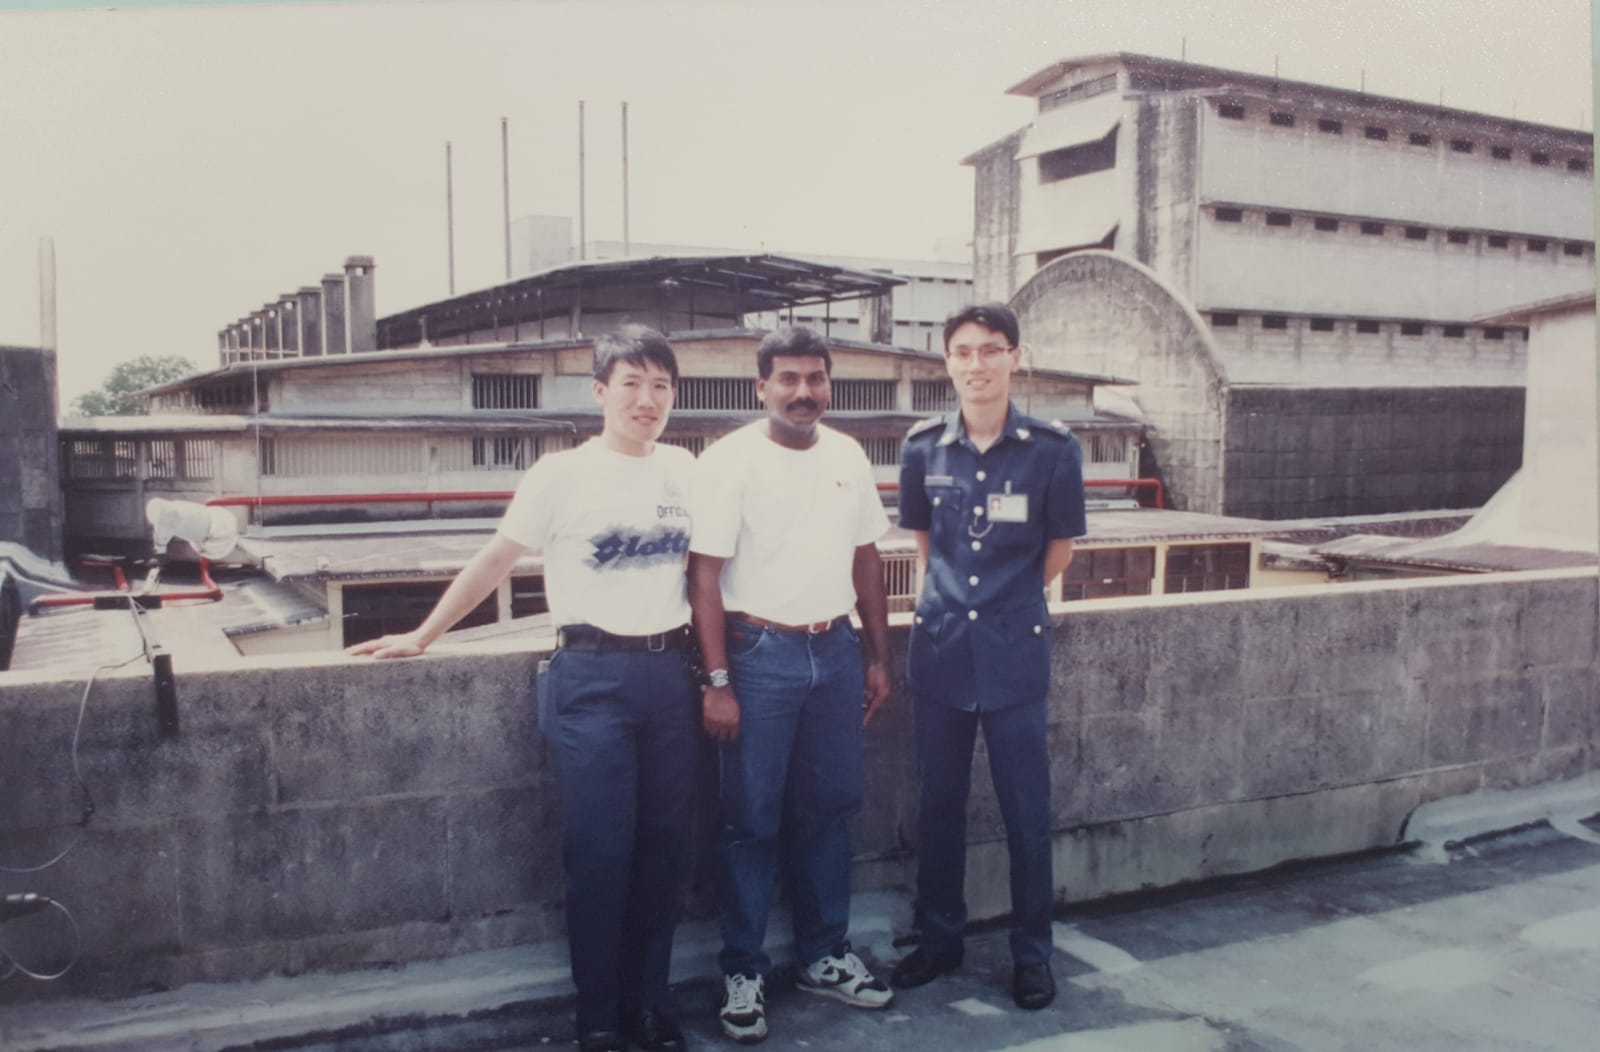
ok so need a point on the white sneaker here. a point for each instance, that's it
(744, 1009)
(845, 979)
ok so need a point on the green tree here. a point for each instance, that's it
(118, 396)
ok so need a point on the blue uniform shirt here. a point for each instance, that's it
(981, 638)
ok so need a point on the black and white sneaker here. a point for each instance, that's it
(844, 978)
(744, 1009)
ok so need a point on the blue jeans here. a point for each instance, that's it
(1019, 764)
(789, 786)
(624, 728)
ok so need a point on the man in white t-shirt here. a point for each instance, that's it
(786, 519)
(616, 701)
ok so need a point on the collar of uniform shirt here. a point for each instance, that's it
(955, 428)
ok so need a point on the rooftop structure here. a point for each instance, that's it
(1302, 279)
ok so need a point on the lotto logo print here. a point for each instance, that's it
(636, 550)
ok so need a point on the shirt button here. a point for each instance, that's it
(977, 546)
(937, 501)
(972, 615)
(982, 475)
(1038, 630)
(973, 580)
(978, 511)
(919, 619)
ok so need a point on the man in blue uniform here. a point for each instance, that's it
(994, 499)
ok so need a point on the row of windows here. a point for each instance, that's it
(1375, 228)
(1100, 572)
(1235, 111)
(1369, 326)
(102, 458)
(1085, 90)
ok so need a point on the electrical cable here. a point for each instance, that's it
(20, 905)
(77, 772)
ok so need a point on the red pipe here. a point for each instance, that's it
(1155, 484)
(277, 500)
(212, 591)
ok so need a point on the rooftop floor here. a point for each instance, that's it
(1492, 945)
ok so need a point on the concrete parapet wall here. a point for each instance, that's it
(319, 813)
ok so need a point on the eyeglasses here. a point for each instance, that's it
(988, 353)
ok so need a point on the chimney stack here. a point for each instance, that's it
(289, 324)
(362, 318)
(333, 328)
(310, 315)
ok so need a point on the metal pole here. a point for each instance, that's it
(450, 215)
(626, 243)
(47, 293)
(505, 186)
(583, 215)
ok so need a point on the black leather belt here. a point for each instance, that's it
(588, 637)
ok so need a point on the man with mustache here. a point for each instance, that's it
(616, 701)
(994, 499)
(787, 517)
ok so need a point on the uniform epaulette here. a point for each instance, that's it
(1060, 427)
(925, 425)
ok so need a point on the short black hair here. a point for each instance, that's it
(796, 342)
(638, 345)
(996, 317)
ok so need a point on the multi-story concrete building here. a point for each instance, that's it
(1290, 271)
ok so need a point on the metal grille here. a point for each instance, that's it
(102, 459)
(932, 396)
(1107, 448)
(882, 450)
(312, 457)
(186, 458)
(504, 452)
(863, 396)
(505, 391)
(695, 444)
(717, 392)
(900, 581)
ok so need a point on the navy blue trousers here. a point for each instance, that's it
(624, 728)
(1019, 764)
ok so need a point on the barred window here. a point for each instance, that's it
(1107, 448)
(99, 458)
(505, 391)
(1100, 572)
(900, 580)
(733, 393)
(504, 452)
(308, 457)
(867, 396)
(186, 458)
(932, 396)
(882, 450)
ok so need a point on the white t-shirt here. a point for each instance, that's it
(788, 521)
(614, 531)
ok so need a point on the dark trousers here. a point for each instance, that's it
(1019, 764)
(624, 728)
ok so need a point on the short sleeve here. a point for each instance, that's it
(871, 521)
(1064, 508)
(914, 511)
(531, 512)
(714, 506)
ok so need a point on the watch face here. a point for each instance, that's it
(718, 677)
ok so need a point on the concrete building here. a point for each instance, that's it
(1297, 276)
(336, 316)
(30, 499)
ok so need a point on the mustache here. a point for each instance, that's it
(802, 403)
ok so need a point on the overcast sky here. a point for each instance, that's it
(192, 161)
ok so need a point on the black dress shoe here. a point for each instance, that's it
(602, 1041)
(654, 1031)
(923, 966)
(1032, 986)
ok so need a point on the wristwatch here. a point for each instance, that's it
(717, 677)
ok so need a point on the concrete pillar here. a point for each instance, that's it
(334, 340)
(258, 335)
(877, 317)
(289, 324)
(310, 314)
(362, 317)
(222, 346)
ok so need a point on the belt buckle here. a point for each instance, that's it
(657, 643)
(816, 628)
